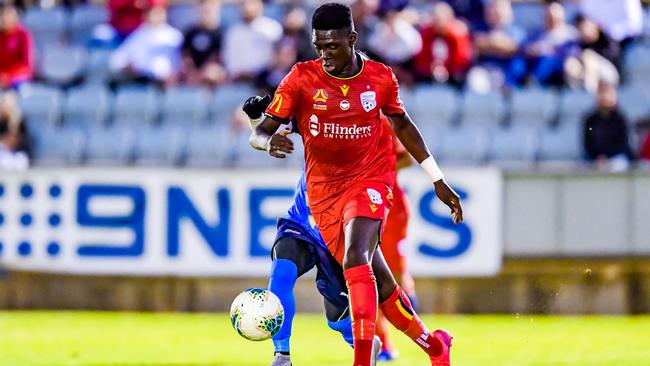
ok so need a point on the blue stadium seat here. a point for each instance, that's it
(516, 145)
(41, 105)
(185, 106)
(485, 110)
(636, 64)
(83, 21)
(47, 26)
(634, 102)
(230, 14)
(205, 147)
(136, 106)
(160, 146)
(575, 105)
(436, 106)
(111, 146)
(183, 16)
(58, 146)
(275, 10)
(561, 145)
(87, 106)
(528, 15)
(97, 70)
(533, 107)
(62, 65)
(227, 98)
(464, 145)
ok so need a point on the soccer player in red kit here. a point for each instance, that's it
(336, 103)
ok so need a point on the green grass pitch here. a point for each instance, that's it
(130, 339)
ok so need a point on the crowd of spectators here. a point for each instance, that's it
(471, 45)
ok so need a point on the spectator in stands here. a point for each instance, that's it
(296, 32)
(394, 39)
(594, 60)
(446, 48)
(605, 132)
(363, 14)
(547, 51)
(248, 45)
(469, 11)
(127, 15)
(202, 47)
(644, 153)
(151, 53)
(15, 49)
(496, 46)
(11, 156)
(284, 57)
(621, 20)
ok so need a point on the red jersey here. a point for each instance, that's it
(16, 59)
(339, 122)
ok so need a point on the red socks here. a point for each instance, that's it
(363, 308)
(399, 312)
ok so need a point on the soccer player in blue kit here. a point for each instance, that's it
(298, 248)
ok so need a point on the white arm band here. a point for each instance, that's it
(254, 122)
(431, 167)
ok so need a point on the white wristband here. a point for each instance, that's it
(254, 122)
(431, 167)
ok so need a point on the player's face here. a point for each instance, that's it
(335, 48)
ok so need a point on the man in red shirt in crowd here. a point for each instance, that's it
(127, 15)
(336, 102)
(15, 48)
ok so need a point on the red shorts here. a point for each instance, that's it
(395, 231)
(370, 199)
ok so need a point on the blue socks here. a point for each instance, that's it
(343, 326)
(281, 282)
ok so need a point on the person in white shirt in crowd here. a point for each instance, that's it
(622, 20)
(248, 45)
(11, 157)
(151, 53)
(394, 39)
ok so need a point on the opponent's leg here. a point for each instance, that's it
(361, 237)
(397, 308)
(291, 259)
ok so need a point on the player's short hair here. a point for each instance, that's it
(332, 16)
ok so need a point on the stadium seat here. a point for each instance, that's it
(62, 65)
(516, 145)
(533, 107)
(464, 145)
(436, 106)
(230, 14)
(183, 16)
(87, 106)
(636, 64)
(205, 147)
(83, 21)
(227, 98)
(160, 146)
(185, 106)
(561, 145)
(485, 110)
(47, 26)
(41, 105)
(111, 146)
(634, 102)
(575, 105)
(275, 10)
(136, 106)
(97, 70)
(58, 146)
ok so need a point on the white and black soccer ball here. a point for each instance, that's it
(256, 314)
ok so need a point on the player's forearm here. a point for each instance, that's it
(409, 135)
(260, 137)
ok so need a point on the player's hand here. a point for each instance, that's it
(255, 106)
(280, 145)
(449, 198)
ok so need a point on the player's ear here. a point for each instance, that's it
(352, 38)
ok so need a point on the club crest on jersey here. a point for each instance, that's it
(314, 125)
(320, 99)
(345, 105)
(375, 196)
(368, 100)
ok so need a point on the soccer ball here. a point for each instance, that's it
(256, 314)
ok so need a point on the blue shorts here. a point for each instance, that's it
(330, 281)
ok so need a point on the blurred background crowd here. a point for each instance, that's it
(152, 82)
